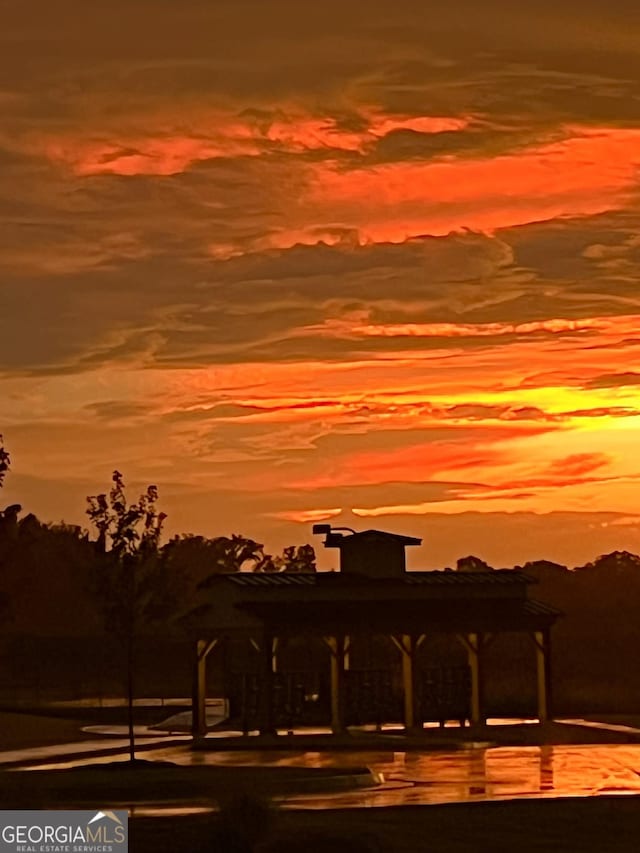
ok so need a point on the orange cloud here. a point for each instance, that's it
(306, 516)
(338, 327)
(140, 156)
(578, 464)
(166, 152)
(586, 173)
(418, 463)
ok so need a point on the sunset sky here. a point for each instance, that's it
(370, 263)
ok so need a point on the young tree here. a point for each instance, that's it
(129, 584)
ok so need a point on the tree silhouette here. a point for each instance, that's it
(227, 555)
(472, 564)
(8, 516)
(298, 559)
(8, 520)
(231, 554)
(128, 582)
(5, 461)
(46, 570)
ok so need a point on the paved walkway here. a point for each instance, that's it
(115, 742)
(604, 727)
(83, 749)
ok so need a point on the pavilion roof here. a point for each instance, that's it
(414, 578)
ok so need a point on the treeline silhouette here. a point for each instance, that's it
(73, 600)
(63, 606)
(52, 574)
(595, 642)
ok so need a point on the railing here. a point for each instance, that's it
(444, 693)
(370, 697)
(296, 698)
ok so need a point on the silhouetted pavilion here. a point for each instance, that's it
(372, 594)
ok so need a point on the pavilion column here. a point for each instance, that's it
(347, 652)
(407, 645)
(268, 663)
(474, 643)
(409, 681)
(336, 646)
(199, 695)
(542, 641)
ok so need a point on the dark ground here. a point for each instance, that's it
(589, 825)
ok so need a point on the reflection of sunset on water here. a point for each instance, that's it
(473, 774)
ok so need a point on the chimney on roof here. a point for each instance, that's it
(372, 553)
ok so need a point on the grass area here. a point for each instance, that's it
(22, 731)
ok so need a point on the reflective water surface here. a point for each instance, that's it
(415, 778)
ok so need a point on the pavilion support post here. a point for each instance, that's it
(275, 653)
(542, 641)
(199, 696)
(408, 649)
(267, 716)
(474, 644)
(336, 646)
(407, 645)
